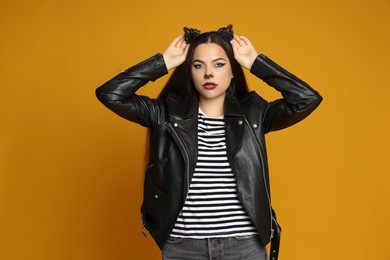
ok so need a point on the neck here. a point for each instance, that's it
(212, 108)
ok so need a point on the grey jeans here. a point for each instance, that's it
(230, 248)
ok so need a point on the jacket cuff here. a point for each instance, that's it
(260, 66)
(159, 66)
(155, 65)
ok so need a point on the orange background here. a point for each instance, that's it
(71, 171)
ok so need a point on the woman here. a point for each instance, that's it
(206, 190)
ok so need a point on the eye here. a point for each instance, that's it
(220, 64)
(197, 65)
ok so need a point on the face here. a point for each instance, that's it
(211, 71)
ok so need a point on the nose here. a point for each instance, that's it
(208, 75)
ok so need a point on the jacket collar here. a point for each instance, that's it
(183, 109)
(233, 106)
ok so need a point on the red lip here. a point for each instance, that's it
(209, 86)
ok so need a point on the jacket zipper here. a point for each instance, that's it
(264, 179)
(144, 231)
(186, 157)
(236, 177)
(186, 161)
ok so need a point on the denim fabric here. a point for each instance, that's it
(230, 248)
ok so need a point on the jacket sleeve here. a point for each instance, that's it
(298, 101)
(118, 94)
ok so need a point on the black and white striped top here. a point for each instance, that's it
(212, 207)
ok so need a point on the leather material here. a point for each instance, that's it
(275, 238)
(173, 150)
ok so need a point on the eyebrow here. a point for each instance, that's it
(215, 60)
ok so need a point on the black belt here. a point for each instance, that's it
(275, 238)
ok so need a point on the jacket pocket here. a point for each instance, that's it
(154, 202)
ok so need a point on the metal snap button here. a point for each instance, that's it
(254, 125)
(156, 196)
(240, 122)
(175, 124)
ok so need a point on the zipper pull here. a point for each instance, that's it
(144, 231)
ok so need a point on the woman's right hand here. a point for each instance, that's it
(176, 53)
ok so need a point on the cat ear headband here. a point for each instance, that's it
(190, 34)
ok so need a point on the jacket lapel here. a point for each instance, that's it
(183, 116)
(234, 125)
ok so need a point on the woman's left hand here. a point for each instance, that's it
(244, 52)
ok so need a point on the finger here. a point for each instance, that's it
(236, 39)
(182, 44)
(176, 40)
(240, 41)
(246, 40)
(234, 44)
(186, 50)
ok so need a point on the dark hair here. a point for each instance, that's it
(180, 82)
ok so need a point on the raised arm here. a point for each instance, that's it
(118, 94)
(299, 99)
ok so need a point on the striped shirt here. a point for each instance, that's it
(212, 207)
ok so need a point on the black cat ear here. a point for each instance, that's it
(190, 34)
(226, 32)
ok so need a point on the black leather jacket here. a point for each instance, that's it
(173, 149)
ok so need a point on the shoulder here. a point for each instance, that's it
(254, 107)
(252, 99)
(182, 108)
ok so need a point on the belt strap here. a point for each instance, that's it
(275, 239)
